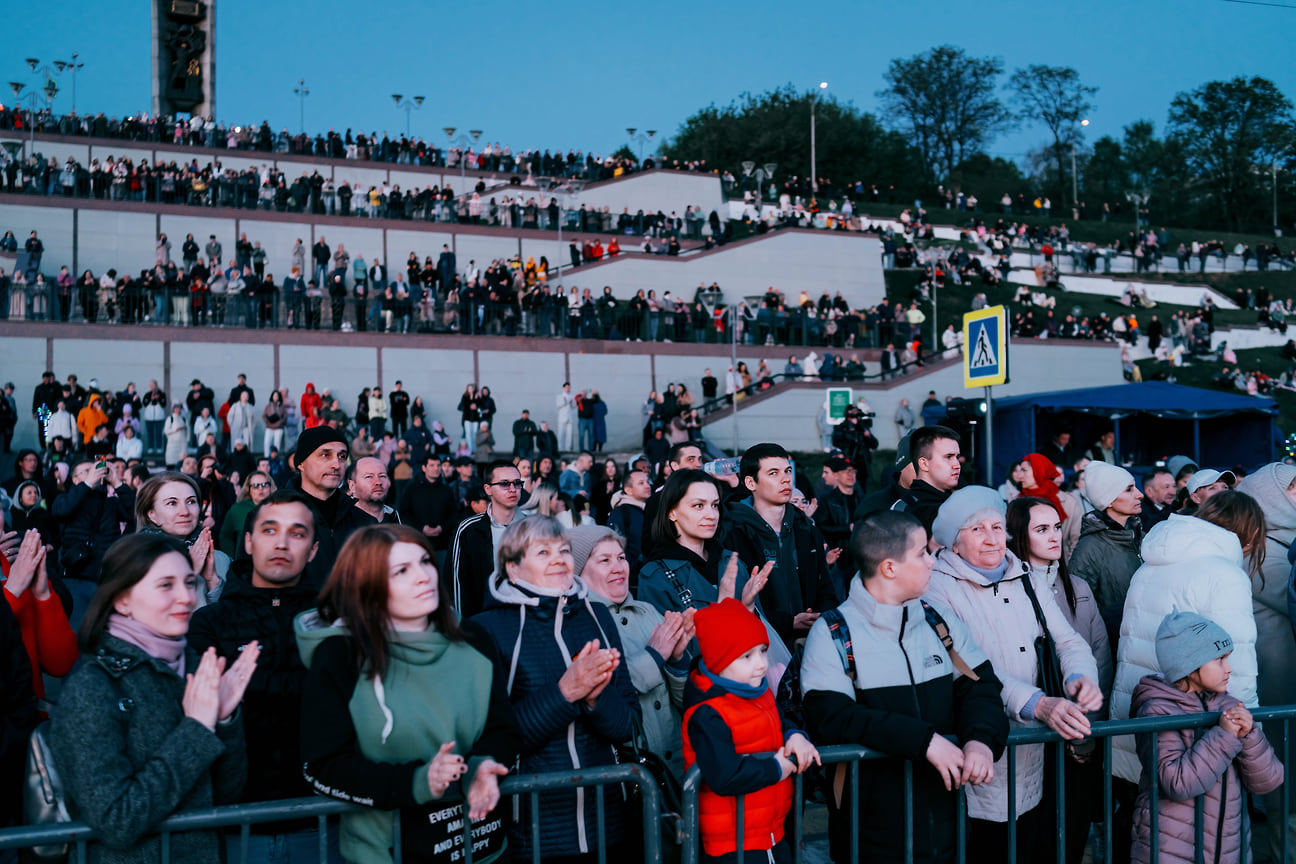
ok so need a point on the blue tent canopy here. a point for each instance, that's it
(1152, 421)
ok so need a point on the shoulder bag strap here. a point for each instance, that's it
(842, 641)
(937, 623)
(682, 591)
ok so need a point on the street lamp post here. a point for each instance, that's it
(462, 142)
(642, 138)
(74, 64)
(571, 187)
(409, 105)
(302, 92)
(814, 168)
(50, 89)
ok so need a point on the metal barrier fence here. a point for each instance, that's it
(244, 816)
(1103, 734)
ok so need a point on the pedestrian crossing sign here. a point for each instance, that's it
(985, 347)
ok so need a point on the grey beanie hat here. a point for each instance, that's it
(1186, 641)
(961, 507)
(583, 539)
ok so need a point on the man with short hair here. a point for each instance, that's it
(263, 593)
(1111, 537)
(838, 502)
(524, 435)
(935, 451)
(399, 412)
(430, 505)
(627, 519)
(765, 531)
(575, 478)
(1058, 449)
(932, 701)
(472, 555)
(565, 402)
(90, 514)
(1158, 498)
(368, 484)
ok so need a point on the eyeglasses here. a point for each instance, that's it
(259, 485)
(508, 484)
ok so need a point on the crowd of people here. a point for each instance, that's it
(297, 636)
(206, 132)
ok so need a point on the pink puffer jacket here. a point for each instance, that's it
(1209, 762)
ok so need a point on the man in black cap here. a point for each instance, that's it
(838, 502)
(321, 461)
(895, 495)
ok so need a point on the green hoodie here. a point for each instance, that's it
(435, 690)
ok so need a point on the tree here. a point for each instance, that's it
(1229, 131)
(946, 103)
(1054, 97)
(775, 127)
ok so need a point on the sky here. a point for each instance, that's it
(576, 74)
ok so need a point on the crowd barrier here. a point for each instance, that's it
(685, 832)
(244, 816)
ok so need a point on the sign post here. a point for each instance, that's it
(985, 363)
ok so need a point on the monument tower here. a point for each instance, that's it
(184, 57)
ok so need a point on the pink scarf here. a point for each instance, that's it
(169, 649)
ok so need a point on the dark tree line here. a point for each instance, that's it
(1226, 144)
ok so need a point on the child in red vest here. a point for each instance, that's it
(733, 731)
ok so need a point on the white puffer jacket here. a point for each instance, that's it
(1000, 619)
(1189, 565)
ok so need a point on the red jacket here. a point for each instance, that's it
(46, 634)
(756, 728)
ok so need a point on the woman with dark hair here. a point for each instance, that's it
(545, 473)
(275, 417)
(683, 569)
(384, 652)
(170, 503)
(1035, 537)
(144, 729)
(1202, 563)
(605, 485)
(469, 414)
(571, 691)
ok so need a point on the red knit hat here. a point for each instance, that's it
(726, 631)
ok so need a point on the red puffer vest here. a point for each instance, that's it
(756, 728)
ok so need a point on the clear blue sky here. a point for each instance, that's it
(575, 74)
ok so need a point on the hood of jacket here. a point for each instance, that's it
(1269, 487)
(17, 496)
(506, 593)
(1156, 688)
(1094, 523)
(956, 568)
(1181, 539)
(421, 648)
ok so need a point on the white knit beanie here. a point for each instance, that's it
(1104, 482)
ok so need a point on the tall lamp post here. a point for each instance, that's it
(571, 187)
(409, 105)
(74, 64)
(641, 139)
(463, 142)
(302, 92)
(1075, 182)
(32, 97)
(761, 174)
(814, 168)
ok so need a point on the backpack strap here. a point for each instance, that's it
(841, 640)
(937, 623)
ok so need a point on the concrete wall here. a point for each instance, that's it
(125, 240)
(789, 418)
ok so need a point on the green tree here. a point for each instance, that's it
(988, 178)
(775, 127)
(1054, 97)
(945, 102)
(1230, 133)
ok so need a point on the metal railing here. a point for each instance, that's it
(1103, 734)
(244, 816)
(686, 832)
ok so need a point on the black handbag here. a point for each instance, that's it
(1049, 675)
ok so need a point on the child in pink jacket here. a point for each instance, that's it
(1213, 762)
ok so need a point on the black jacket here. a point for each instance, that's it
(18, 715)
(786, 594)
(90, 525)
(884, 499)
(431, 504)
(272, 702)
(339, 517)
(472, 560)
(927, 500)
